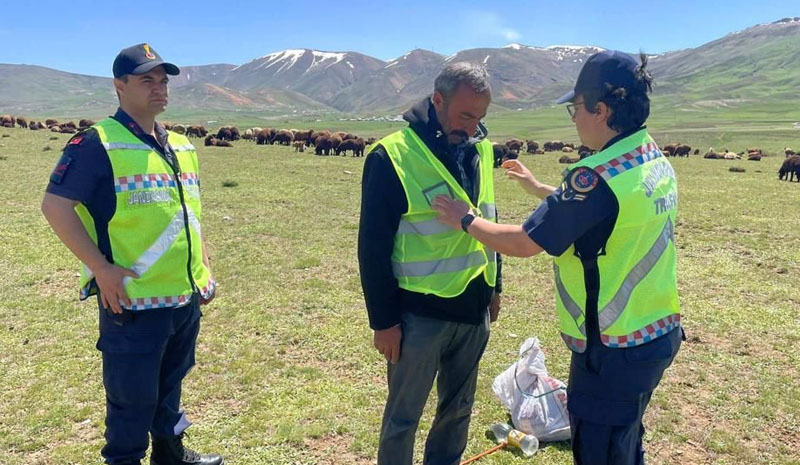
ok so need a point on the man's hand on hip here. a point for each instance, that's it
(387, 341)
(109, 280)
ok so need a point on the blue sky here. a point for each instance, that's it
(85, 36)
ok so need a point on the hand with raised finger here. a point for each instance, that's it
(110, 281)
(517, 171)
(387, 341)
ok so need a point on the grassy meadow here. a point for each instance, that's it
(286, 370)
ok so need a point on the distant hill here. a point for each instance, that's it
(759, 64)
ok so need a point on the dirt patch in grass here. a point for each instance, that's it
(333, 450)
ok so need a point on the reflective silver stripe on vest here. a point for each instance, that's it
(447, 265)
(183, 148)
(423, 228)
(572, 307)
(609, 314)
(165, 240)
(126, 146)
(488, 210)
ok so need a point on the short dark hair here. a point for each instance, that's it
(455, 74)
(630, 107)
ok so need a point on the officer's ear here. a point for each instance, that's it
(602, 112)
(119, 84)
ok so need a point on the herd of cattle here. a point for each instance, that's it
(340, 142)
(324, 142)
(69, 127)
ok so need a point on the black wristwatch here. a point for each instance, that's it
(466, 221)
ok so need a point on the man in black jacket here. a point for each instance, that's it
(423, 334)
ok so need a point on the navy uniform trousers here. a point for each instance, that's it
(146, 355)
(608, 392)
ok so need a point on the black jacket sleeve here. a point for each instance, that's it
(383, 201)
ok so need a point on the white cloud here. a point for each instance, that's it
(483, 26)
(511, 34)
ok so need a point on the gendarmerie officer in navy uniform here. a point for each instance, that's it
(610, 228)
(124, 198)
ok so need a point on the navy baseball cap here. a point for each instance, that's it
(139, 59)
(609, 66)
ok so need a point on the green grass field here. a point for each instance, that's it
(286, 371)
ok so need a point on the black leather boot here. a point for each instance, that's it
(169, 450)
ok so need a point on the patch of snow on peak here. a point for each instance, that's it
(287, 57)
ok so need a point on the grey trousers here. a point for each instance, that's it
(431, 347)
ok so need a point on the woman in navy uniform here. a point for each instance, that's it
(612, 377)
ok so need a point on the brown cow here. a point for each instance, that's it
(224, 133)
(682, 150)
(234, 132)
(196, 131)
(553, 146)
(500, 153)
(353, 145)
(322, 145)
(283, 137)
(55, 128)
(568, 160)
(22, 122)
(790, 168)
(669, 149)
(584, 151)
(567, 149)
(304, 136)
(213, 141)
(299, 145)
(532, 146)
(789, 152)
(68, 130)
(33, 126)
(515, 145)
(316, 135)
(361, 145)
(754, 157)
(50, 122)
(7, 121)
(263, 137)
(335, 140)
(85, 123)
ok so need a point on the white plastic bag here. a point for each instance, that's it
(538, 402)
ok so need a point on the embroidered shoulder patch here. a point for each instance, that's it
(583, 180)
(61, 169)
